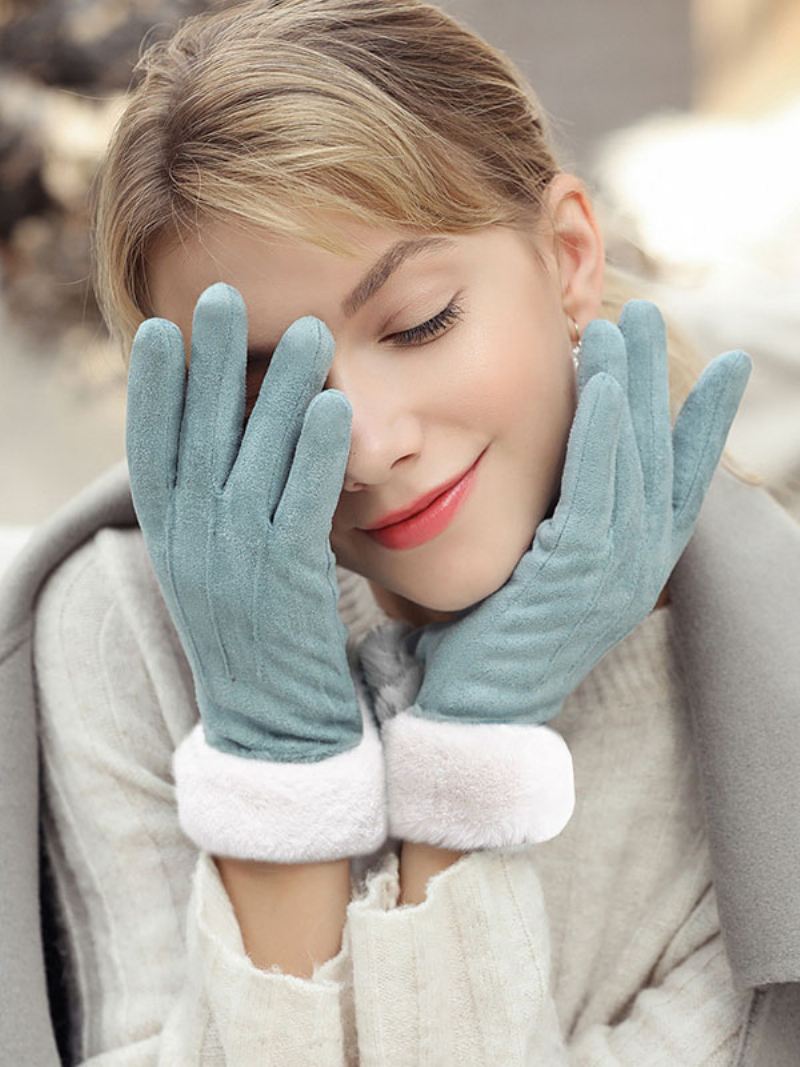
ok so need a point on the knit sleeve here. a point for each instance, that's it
(155, 962)
(464, 977)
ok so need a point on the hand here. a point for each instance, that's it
(631, 491)
(237, 529)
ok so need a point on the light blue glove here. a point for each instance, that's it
(632, 488)
(285, 763)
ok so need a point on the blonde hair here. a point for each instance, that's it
(270, 112)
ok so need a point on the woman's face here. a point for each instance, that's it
(493, 379)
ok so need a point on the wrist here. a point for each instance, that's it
(290, 915)
(283, 813)
(418, 864)
(461, 785)
(467, 786)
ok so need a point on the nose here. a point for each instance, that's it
(384, 430)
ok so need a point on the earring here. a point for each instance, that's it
(576, 350)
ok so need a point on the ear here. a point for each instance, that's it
(576, 245)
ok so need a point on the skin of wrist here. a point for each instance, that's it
(290, 914)
(419, 863)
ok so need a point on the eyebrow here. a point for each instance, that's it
(380, 272)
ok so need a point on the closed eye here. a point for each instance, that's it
(432, 328)
(258, 359)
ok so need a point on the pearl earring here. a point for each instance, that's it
(576, 350)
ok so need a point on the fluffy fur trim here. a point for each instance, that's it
(476, 786)
(392, 674)
(283, 812)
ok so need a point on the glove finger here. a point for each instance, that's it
(584, 509)
(424, 640)
(154, 408)
(215, 395)
(627, 519)
(315, 481)
(699, 436)
(645, 333)
(602, 349)
(297, 372)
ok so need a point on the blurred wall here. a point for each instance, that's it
(595, 66)
(748, 54)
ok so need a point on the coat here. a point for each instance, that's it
(735, 595)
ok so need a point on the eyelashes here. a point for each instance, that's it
(433, 327)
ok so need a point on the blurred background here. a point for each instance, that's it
(683, 118)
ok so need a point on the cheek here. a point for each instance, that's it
(523, 390)
(529, 410)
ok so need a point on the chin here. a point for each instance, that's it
(461, 577)
(465, 594)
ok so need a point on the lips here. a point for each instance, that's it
(431, 521)
(418, 505)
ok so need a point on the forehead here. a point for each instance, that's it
(250, 257)
(179, 269)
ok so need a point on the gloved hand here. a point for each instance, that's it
(285, 763)
(469, 762)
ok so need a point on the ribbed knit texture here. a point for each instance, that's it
(601, 946)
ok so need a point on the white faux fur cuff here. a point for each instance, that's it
(283, 812)
(469, 786)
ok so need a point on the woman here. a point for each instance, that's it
(283, 150)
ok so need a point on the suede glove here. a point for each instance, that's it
(470, 763)
(285, 763)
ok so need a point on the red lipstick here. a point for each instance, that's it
(427, 516)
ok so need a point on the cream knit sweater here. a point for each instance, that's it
(600, 946)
